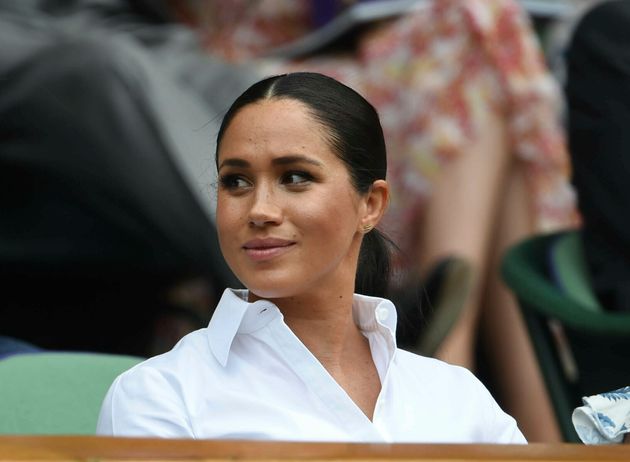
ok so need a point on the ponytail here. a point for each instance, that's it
(374, 266)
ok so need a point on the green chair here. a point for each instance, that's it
(581, 348)
(570, 272)
(56, 393)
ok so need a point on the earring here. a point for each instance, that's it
(367, 228)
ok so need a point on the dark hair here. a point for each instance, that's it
(355, 135)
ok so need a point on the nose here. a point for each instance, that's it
(265, 209)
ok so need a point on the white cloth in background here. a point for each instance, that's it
(247, 376)
(604, 418)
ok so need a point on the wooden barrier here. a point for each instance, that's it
(93, 448)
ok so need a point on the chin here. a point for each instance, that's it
(272, 288)
(271, 291)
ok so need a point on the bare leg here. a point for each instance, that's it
(512, 362)
(479, 208)
(461, 219)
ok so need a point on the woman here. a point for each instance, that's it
(477, 160)
(297, 356)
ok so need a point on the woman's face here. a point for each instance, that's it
(288, 217)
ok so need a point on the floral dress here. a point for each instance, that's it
(431, 74)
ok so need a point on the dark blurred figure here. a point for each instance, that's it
(107, 116)
(598, 96)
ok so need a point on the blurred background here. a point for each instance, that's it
(505, 125)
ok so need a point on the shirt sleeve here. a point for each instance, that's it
(143, 402)
(503, 429)
(500, 427)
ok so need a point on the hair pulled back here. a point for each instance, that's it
(355, 135)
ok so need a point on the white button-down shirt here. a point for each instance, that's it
(248, 376)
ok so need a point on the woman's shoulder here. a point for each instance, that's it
(455, 394)
(432, 369)
(446, 384)
(191, 351)
(152, 398)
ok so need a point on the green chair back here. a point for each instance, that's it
(56, 393)
(569, 266)
(581, 348)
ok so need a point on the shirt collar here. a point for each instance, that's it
(235, 314)
(371, 312)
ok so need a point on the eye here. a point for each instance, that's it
(234, 182)
(296, 178)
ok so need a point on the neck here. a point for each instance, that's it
(325, 325)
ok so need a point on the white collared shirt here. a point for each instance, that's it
(248, 376)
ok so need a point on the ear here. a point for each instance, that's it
(376, 201)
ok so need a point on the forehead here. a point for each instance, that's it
(275, 123)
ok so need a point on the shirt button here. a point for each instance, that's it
(264, 311)
(382, 314)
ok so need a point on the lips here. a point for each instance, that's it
(267, 249)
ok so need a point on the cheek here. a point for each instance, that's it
(227, 218)
(333, 215)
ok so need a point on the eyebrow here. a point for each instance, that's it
(284, 160)
(234, 162)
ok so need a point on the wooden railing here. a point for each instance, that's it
(92, 448)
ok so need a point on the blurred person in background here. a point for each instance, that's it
(107, 239)
(598, 111)
(597, 91)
